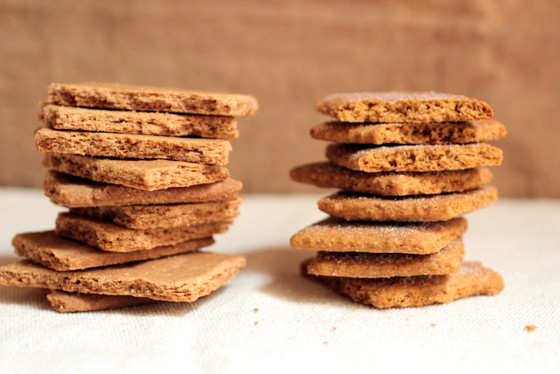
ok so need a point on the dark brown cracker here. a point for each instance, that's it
(110, 237)
(150, 99)
(414, 157)
(147, 175)
(71, 302)
(401, 292)
(336, 235)
(430, 208)
(144, 123)
(184, 277)
(404, 107)
(50, 250)
(410, 133)
(165, 216)
(74, 192)
(328, 175)
(384, 265)
(195, 150)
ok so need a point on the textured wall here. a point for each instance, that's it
(289, 54)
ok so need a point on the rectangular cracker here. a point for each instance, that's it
(182, 278)
(385, 265)
(397, 106)
(113, 238)
(147, 175)
(52, 251)
(72, 302)
(410, 133)
(164, 216)
(75, 192)
(329, 175)
(195, 150)
(429, 208)
(414, 157)
(336, 235)
(143, 123)
(150, 99)
(402, 292)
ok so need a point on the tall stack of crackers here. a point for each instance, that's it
(408, 165)
(144, 174)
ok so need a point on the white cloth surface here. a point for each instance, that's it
(270, 319)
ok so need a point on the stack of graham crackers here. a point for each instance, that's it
(409, 166)
(143, 171)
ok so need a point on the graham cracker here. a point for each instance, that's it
(414, 157)
(110, 237)
(164, 216)
(74, 192)
(410, 133)
(404, 107)
(147, 175)
(328, 175)
(150, 99)
(402, 292)
(337, 235)
(196, 150)
(429, 208)
(384, 265)
(183, 278)
(143, 123)
(71, 302)
(52, 251)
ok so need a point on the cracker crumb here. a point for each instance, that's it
(433, 325)
(325, 342)
(333, 328)
(256, 323)
(255, 310)
(530, 328)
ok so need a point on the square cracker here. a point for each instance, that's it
(164, 216)
(71, 302)
(147, 175)
(410, 133)
(75, 192)
(150, 99)
(133, 146)
(402, 292)
(397, 106)
(144, 123)
(329, 175)
(52, 251)
(430, 208)
(113, 238)
(337, 235)
(414, 157)
(184, 277)
(386, 265)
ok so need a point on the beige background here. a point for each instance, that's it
(289, 54)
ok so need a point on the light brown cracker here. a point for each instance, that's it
(71, 302)
(196, 150)
(184, 277)
(414, 157)
(165, 216)
(337, 235)
(402, 292)
(328, 175)
(410, 133)
(147, 175)
(429, 208)
(74, 192)
(150, 99)
(52, 251)
(110, 237)
(384, 265)
(404, 107)
(144, 123)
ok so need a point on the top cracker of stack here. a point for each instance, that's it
(409, 165)
(143, 171)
